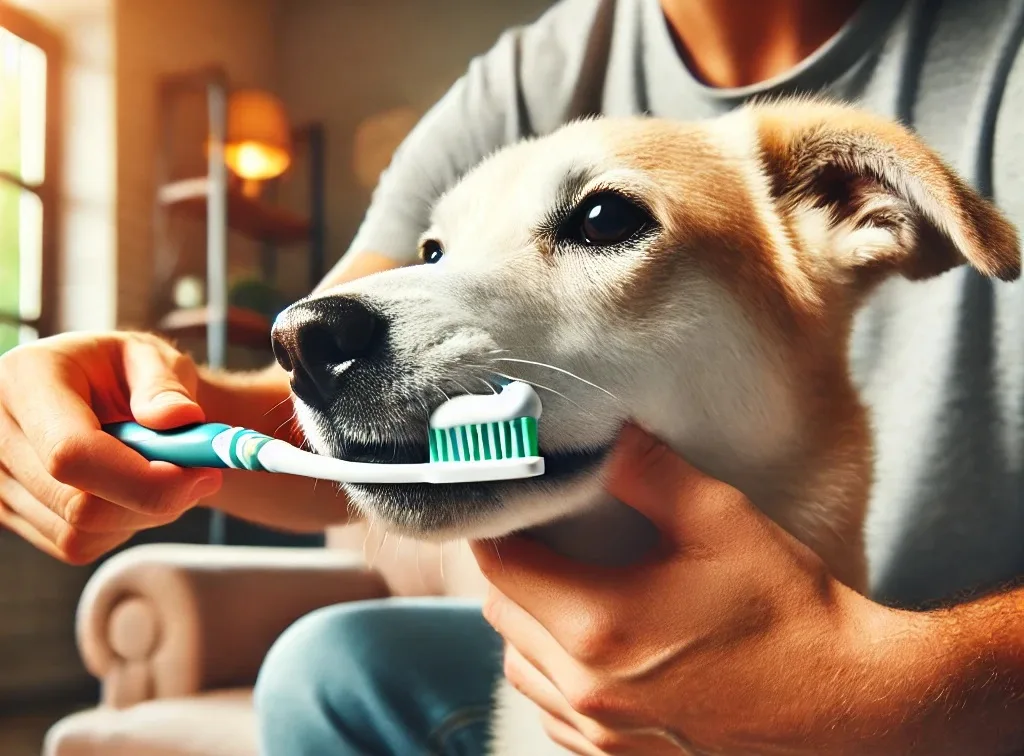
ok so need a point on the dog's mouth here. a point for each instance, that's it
(396, 432)
(456, 510)
(557, 463)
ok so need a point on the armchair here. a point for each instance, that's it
(176, 633)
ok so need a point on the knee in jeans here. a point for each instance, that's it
(338, 642)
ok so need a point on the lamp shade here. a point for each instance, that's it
(259, 144)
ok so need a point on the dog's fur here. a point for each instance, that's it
(722, 328)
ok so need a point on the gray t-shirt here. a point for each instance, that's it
(940, 363)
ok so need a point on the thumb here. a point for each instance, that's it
(687, 506)
(161, 385)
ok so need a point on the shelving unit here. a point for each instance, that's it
(212, 199)
(251, 217)
(244, 327)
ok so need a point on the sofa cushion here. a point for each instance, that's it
(220, 723)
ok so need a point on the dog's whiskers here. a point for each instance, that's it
(510, 377)
(419, 565)
(558, 369)
(488, 384)
(277, 405)
(380, 548)
(423, 406)
(294, 414)
(366, 541)
(497, 553)
(464, 389)
(439, 390)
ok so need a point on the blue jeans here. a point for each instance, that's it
(394, 677)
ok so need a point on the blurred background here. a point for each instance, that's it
(188, 167)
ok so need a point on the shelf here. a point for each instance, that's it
(245, 327)
(249, 217)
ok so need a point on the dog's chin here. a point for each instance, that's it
(449, 511)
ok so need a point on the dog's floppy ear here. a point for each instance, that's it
(873, 198)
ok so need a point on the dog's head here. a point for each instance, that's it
(699, 278)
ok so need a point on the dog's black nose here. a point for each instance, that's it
(318, 340)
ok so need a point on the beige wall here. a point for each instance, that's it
(340, 62)
(335, 61)
(156, 37)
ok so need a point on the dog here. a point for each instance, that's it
(699, 279)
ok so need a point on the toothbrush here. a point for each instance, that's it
(472, 438)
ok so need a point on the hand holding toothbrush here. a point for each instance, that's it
(65, 485)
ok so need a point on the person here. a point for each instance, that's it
(752, 650)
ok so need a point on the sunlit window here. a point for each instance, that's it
(25, 186)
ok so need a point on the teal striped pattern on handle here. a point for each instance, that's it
(199, 445)
(244, 448)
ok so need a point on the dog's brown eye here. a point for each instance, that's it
(431, 251)
(609, 218)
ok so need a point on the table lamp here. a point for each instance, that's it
(259, 144)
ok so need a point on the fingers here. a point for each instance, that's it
(522, 630)
(26, 516)
(549, 606)
(66, 485)
(537, 581)
(162, 385)
(578, 732)
(687, 506)
(78, 522)
(13, 521)
(69, 446)
(524, 676)
(77, 508)
(72, 525)
(567, 736)
(565, 642)
(571, 728)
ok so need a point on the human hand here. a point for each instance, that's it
(66, 486)
(733, 639)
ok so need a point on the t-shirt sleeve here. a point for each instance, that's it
(528, 69)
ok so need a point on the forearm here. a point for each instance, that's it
(981, 648)
(282, 502)
(956, 680)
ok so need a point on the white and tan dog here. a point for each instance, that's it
(698, 278)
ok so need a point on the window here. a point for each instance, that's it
(29, 63)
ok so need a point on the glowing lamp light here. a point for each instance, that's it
(259, 144)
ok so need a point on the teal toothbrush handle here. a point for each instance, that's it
(188, 446)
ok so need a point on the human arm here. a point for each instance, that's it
(734, 639)
(76, 493)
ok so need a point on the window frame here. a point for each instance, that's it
(24, 26)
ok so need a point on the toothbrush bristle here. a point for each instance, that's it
(508, 439)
